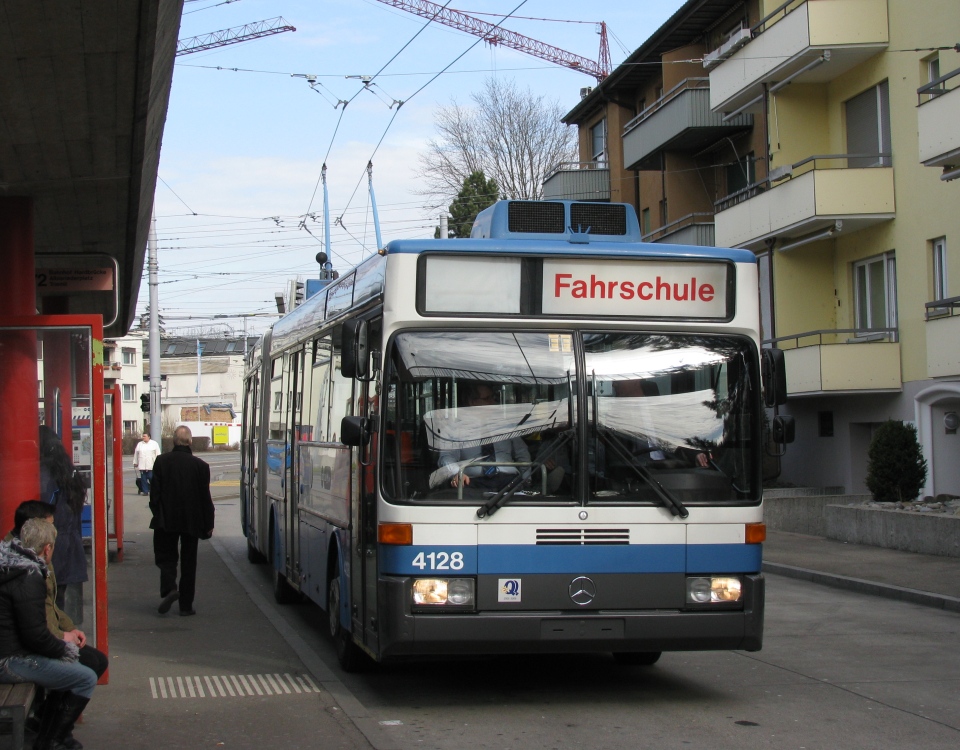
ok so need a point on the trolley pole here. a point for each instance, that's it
(156, 427)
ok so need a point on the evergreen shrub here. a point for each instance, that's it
(896, 469)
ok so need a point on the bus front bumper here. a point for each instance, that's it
(502, 632)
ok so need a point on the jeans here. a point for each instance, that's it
(52, 674)
(147, 476)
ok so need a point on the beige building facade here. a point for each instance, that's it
(832, 154)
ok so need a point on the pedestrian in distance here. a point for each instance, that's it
(144, 456)
(29, 652)
(182, 515)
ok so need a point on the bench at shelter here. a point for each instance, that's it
(15, 701)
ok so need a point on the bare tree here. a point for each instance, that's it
(512, 136)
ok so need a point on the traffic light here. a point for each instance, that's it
(145, 403)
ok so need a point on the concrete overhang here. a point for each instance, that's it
(84, 88)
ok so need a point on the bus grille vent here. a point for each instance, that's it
(600, 218)
(583, 536)
(536, 217)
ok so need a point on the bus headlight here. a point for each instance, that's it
(710, 590)
(443, 592)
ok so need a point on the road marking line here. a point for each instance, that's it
(233, 685)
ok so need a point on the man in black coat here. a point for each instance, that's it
(182, 515)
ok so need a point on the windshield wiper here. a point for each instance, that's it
(672, 504)
(500, 499)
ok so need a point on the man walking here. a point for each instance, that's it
(182, 515)
(144, 456)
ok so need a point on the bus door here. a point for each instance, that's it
(363, 587)
(248, 460)
(293, 400)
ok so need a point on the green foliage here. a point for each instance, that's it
(476, 194)
(896, 469)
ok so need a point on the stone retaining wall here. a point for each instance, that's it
(844, 518)
(926, 533)
(802, 514)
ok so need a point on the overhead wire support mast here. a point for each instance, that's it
(233, 35)
(497, 35)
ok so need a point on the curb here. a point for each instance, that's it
(913, 596)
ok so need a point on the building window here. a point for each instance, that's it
(825, 423)
(129, 392)
(868, 128)
(130, 427)
(939, 246)
(598, 141)
(128, 356)
(875, 292)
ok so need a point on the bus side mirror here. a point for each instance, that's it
(773, 371)
(355, 431)
(355, 359)
(782, 429)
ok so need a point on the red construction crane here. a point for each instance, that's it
(233, 36)
(496, 35)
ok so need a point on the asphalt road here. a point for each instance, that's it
(838, 670)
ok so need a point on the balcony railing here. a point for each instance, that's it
(578, 180)
(939, 87)
(791, 43)
(575, 166)
(860, 336)
(943, 308)
(819, 161)
(943, 332)
(937, 116)
(675, 226)
(775, 15)
(842, 360)
(687, 84)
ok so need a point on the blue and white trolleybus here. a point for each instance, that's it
(545, 438)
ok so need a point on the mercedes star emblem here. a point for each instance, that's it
(582, 590)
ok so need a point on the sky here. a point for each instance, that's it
(238, 203)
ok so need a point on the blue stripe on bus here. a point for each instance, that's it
(525, 559)
(724, 558)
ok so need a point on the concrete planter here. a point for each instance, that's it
(802, 513)
(925, 533)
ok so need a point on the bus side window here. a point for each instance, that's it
(341, 392)
(315, 412)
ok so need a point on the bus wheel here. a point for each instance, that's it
(349, 656)
(636, 659)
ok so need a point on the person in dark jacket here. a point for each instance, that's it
(182, 515)
(63, 487)
(29, 652)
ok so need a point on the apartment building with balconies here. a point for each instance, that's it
(828, 146)
(650, 126)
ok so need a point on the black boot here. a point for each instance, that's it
(47, 716)
(54, 732)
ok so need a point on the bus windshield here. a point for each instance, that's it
(470, 413)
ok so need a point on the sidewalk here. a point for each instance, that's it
(222, 678)
(929, 580)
